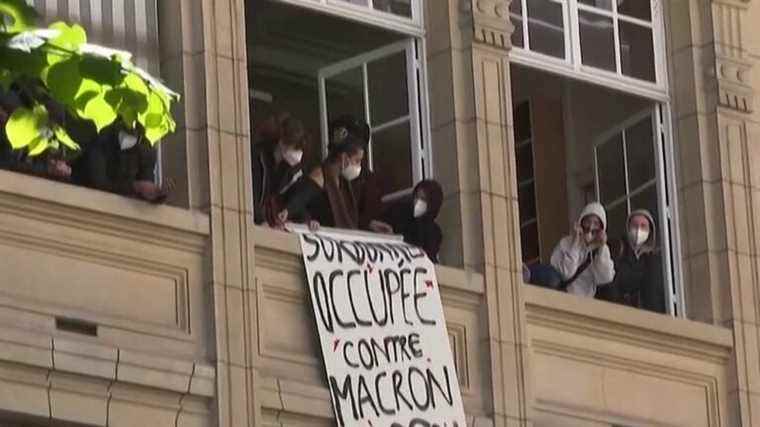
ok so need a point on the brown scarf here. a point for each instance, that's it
(341, 198)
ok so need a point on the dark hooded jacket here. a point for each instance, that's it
(638, 273)
(423, 231)
(105, 166)
(270, 178)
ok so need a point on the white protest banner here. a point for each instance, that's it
(382, 332)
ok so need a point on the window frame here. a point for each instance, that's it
(417, 115)
(667, 222)
(572, 66)
(414, 26)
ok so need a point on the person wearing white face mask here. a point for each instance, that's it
(276, 166)
(582, 259)
(415, 219)
(638, 265)
(325, 197)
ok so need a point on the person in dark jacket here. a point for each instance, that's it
(121, 161)
(415, 220)
(325, 196)
(367, 187)
(50, 164)
(638, 266)
(276, 166)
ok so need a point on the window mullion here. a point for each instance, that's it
(575, 35)
(625, 170)
(616, 35)
(367, 114)
(526, 36)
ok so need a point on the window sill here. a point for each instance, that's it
(279, 242)
(59, 199)
(561, 311)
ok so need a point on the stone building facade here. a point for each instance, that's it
(118, 313)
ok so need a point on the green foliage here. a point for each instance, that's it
(32, 130)
(93, 82)
(22, 15)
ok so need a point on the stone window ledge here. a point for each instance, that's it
(564, 312)
(19, 191)
(277, 243)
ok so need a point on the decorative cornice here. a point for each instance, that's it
(491, 24)
(733, 66)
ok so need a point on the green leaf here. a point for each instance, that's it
(63, 137)
(38, 146)
(100, 112)
(22, 15)
(71, 37)
(25, 125)
(102, 70)
(64, 80)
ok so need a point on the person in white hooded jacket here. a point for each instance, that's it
(583, 257)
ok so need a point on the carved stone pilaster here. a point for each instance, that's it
(491, 24)
(733, 65)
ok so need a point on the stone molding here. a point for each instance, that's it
(491, 24)
(733, 65)
(95, 361)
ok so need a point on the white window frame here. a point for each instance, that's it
(414, 26)
(571, 65)
(667, 224)
(418, 109)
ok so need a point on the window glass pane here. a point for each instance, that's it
(641, 9)
(388, 90)
(527, 202)
(392, 156)
(546, 33)
(357, 2)
(640, 153)
(529, 240)
(636, 51)
(345, 94)
(522, 122)
(396, 7)
(616, 217)
(647, 199)
(524, 163)
(515, 14)
(611, 170)
(601, 4)
(597, 40)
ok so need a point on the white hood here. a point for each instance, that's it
(597, 209)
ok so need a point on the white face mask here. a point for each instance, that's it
(292, 157)
(351, 172)
(638, 236)
(126, 141)
(420, 208)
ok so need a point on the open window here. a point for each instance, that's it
(577, 142)
(318, 66)
(382, 88)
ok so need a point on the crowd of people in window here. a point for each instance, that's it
(339, 192)
(116, 159)
(627, 270)
(342, 192)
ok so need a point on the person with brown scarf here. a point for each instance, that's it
(325, 196)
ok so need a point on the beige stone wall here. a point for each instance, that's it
(201, 317)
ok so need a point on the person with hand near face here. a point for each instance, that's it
(638, 266)
(582, 258)
(276, 166)
(415, 219)
(325, 197)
